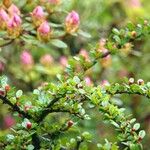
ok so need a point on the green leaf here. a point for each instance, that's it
(116, 31)
(19, 93)
(86, 136)
(132, 120)
(134, 147)
(4, 81)
(136, 126)
(115, 124)
(58, 43)
(117, 38)
(36, 92)
(30, 147)
(76, 79)
(10, 137)
(84, 34)
(142, 134)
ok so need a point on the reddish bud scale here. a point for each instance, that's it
(20, 115)
(134, 34)
(131, 81)
(7, 88)
(28, 125)
(139, 139)
(133, 130)
(26, 108)
(70, 123)
(140, 82)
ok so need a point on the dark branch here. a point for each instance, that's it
(15, 107)
(36, 141)
(95, 61)
(45, 111)
(78, 144)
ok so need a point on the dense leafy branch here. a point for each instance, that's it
(71, 93)
(143, 90)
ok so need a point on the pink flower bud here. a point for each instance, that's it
(85, 54)
(3, 16)
(38, 12)
(106, 61)
(44, 28)
(72, 22)
(101, 46)
(73, 18)
(46, 60)
(102, 42)
(9, 121)
(44, 31)
(15, 21)
(28, 125)
(135, 3)
(38, 16)
(26, 59)
(27, 107)
(14, 26)
(63, 61)
(104, 83)
(13, 9)
(88, 81)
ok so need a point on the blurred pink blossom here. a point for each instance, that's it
(135, 3)
(104, 83)
(3, 15)
(46, 60)
(63, 61)
(26, 58)
(88, 81)
(84, 53)
(8, 121)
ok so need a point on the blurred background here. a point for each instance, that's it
(98, 18)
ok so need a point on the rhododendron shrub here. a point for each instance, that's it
(62, 88)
